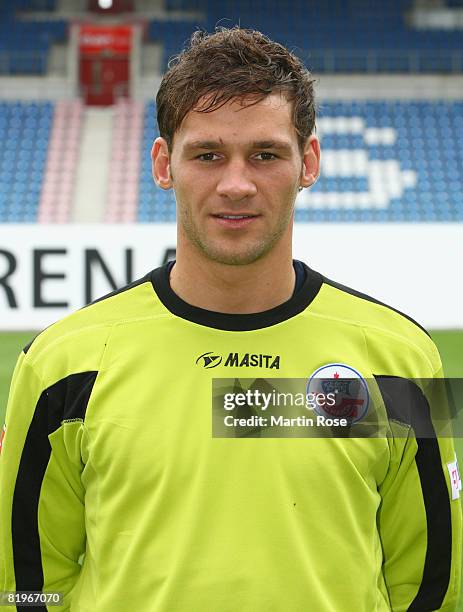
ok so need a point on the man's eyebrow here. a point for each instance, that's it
(203, 144)
(271, 144)
(257, 144)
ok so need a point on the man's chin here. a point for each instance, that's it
(234, 257)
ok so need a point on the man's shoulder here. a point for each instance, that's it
(88, 327)
(382, 323)
(370, 309)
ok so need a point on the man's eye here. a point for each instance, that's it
(266, 156)
(207, 156)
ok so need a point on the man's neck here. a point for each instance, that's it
(243, 289)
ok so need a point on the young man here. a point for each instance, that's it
(109, 449)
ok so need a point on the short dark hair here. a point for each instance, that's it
(228, 64)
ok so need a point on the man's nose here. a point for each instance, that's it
(236, 182)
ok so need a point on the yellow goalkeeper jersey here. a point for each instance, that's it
(115, 493)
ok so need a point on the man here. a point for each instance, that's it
(109, 451)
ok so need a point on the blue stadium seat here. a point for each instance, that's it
(323, 36)
(22, 158)
(419, 183)
(24, 44)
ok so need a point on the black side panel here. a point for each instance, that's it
(405, 402)
(364, 296)
(68, 398)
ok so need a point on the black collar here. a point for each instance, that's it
(236, 322)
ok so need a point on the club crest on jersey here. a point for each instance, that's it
(349, 387)
(239, 360)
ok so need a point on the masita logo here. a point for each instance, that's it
(239, 360)
(209, 360)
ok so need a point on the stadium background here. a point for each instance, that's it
(80, 214)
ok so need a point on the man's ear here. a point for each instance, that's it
(160, 163)
(310, 162)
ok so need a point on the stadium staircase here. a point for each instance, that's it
(57, 193)
(93, 167)
(123, 185)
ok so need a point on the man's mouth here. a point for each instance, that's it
(235, 220)
(235, 216)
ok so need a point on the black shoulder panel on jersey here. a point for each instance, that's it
(135, 283)
(236, 322)
(68, 398)
(364, 296)
(437, 565)
(29, 344)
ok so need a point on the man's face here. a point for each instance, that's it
(236, 172)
